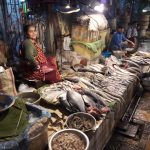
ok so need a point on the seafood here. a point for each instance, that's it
(68, 141)
(115, 60)
(83, 80)
(51, 95)
(89, 70)
(83, 122)
(86, 82)
(96, 97)
(94, 68)
(143, 54)
(134, 70)
(131, 63)
(72, 79)
(94, 111)
(89, 100)
(64, 102)
(141, 60)
(97, 86)
(76, 101)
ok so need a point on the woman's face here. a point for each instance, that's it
(32, 34)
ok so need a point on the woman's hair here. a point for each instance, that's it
(26, 28)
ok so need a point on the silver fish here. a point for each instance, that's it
(75, 100)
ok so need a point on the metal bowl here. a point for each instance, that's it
(30, 97)
(6, 102)
(81, 115)
(79, 133)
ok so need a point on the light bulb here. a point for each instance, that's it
(99, 8)
(67, 6)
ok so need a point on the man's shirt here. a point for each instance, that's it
(132, 32)
(117, 39)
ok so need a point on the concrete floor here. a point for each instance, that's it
(143, 114)
(142, 140)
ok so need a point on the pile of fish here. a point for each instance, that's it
(141, 58)
(95, 88)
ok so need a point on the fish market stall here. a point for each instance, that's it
(91, 95)
(102, 90)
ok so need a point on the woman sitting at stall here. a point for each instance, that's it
(36, 66)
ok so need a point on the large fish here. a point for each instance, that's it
(51, 95)
(95, 96)
(89, 100)
(75, 100)
(64, 102)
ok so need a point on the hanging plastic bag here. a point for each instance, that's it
(7, 82)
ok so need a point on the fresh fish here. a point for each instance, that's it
(94, 68)
(89, 100)
(89, 70)
(115, 60)
(131, 63)
(104, 96)
(75, 100)
(133, 70)
(96, 97)
(51, 95)
(140, 60)
(86, 82)
(72, 79)
(126, 72)
(64, 102)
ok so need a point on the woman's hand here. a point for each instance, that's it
(46, 69)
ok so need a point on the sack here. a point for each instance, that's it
(7, 82)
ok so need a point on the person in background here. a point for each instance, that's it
(132, 32)
(35, 64)
(119, 42)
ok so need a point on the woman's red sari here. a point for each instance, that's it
(42, 60)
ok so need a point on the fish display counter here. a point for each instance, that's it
(102, 90)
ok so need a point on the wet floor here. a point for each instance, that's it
(141, 141)
(143, 110)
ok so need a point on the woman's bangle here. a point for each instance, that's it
(38, 67)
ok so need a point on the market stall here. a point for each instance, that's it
(102, 90)
(90, 85)
(114, 88)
